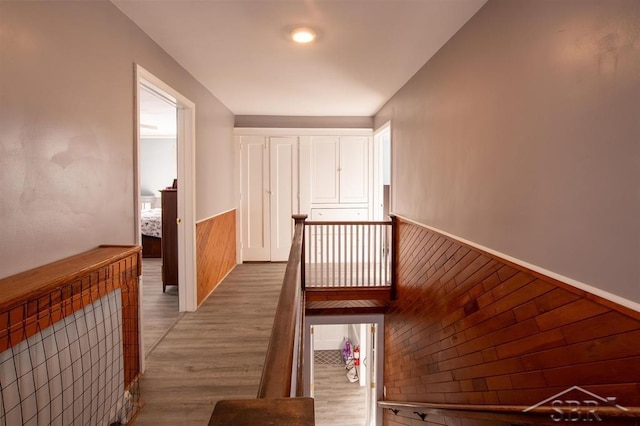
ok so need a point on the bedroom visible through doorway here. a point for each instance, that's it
(181, 185)
(158, 203)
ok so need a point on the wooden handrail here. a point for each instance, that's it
(31, 284)
(33, 300)
(508, 413)
(277, 370)
(344, 222)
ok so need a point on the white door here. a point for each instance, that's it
(324, 169)
(284, 194)
(311, 360)
(354, 169)
(371, 363)
(330, 337)
(256, 211)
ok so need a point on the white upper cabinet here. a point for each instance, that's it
(354, 169)
(339, 169)
(325, 169)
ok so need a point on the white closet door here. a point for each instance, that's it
(284, 194)
(324, 173)
(256, 238)
(354, 169)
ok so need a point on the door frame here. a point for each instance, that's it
(187, 278)
(378, 172)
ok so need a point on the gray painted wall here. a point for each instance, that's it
(67, 117)
(522, 134)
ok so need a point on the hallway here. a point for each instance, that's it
(215, 353)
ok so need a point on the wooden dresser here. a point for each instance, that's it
(169, 237)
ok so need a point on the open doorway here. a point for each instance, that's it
(382, 172)
(158, 212)
(165, 123)
(343, 368)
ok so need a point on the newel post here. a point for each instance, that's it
(394, 254)
(300, 220)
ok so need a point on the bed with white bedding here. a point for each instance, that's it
(151, 229)
(152, 222)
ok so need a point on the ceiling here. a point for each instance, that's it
(158, 117)
(239, 49)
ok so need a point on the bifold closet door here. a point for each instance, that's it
(284, 194)
(269, 186)
(256, 205)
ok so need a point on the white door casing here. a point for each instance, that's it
(186, 184)
(381, 169)
(372, 364)
(186, 114)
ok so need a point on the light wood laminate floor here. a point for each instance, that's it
(159, 310)
(182, 386)
(337, 401)
(214, 353)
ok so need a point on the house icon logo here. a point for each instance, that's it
(576, 405)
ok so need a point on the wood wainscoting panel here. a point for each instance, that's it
(470, 328)
(216, 251)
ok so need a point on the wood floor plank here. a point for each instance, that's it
(159, 310)
(337, 401)
(215, 353)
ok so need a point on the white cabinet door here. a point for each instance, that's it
(324, 169)
(354, 169)
(284, 194)
(340, 215)
(256, 238)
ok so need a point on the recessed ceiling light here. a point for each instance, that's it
(303, 35)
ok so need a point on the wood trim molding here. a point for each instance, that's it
(348, 293)
(215, 215)
(267, 131)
